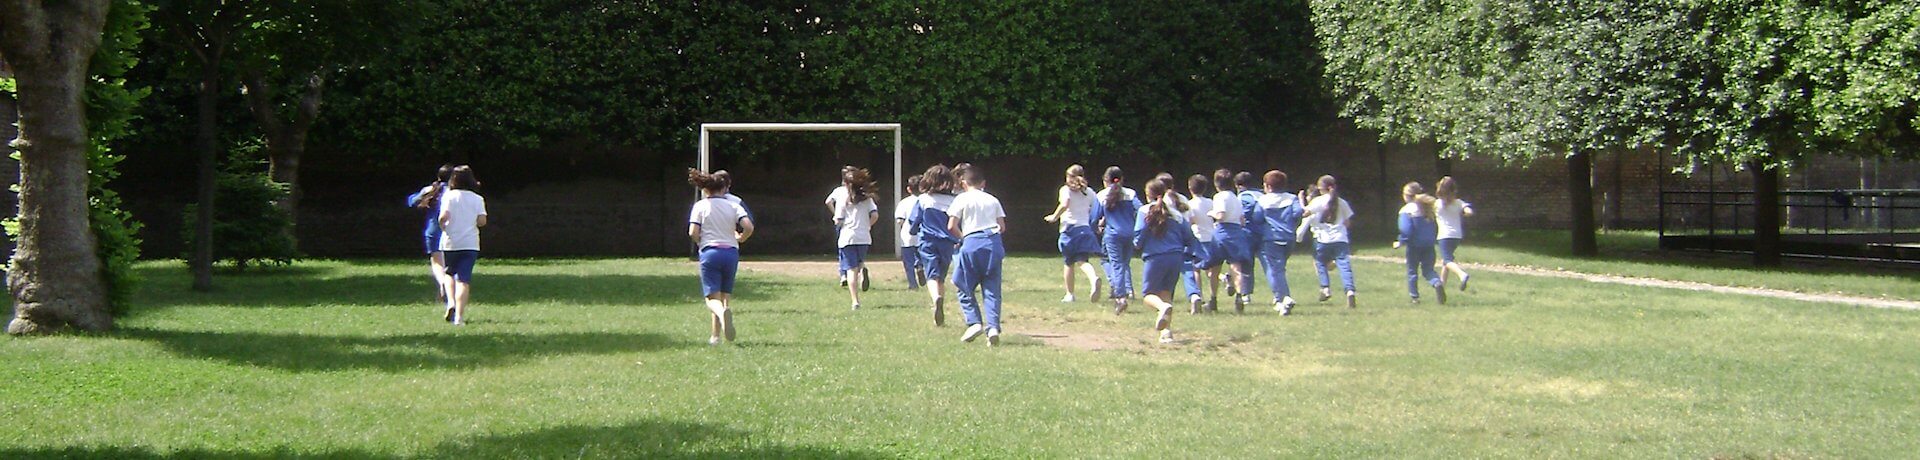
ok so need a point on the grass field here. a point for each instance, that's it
(607, 359)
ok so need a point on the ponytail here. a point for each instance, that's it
(1157, 212)
(860, 186)
(1331, 189)
(1113, 188)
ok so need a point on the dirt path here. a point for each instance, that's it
(1670, 284)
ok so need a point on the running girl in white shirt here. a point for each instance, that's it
(1450, 213)
(856, 216)
(718, 226)
(1077, 242)
(1329, 217)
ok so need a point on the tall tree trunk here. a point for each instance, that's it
(286, 140)
(1580, 190)
(1766, 215)
(208, 142)
(9, 168)
(56, 279)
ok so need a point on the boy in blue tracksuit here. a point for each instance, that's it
(1256, 226)
(1280, 212)
(1165, 243)
(1418, 234)
(978, 216)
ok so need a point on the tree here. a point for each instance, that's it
(55, 276)
(205, 30)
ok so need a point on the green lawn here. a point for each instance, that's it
(607, 359)
(1638, 254)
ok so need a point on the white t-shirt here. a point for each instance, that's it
(1410, 209)
(1448, 215)
(1100, 197)
(718, 219)
(1328, 232)
(1227, 204)
(856, 222)
(1197, 215)
(902, 212)
(1079, 207)
(836, 199)
(978, 211)
(463, 210)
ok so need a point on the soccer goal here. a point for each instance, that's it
(707, 128)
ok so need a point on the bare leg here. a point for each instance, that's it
(1066, 272)
(462, 291)
(856, 277)
(442, 282)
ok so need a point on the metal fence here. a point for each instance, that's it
(1868, 223)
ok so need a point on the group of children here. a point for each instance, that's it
(454, 217)
(1223, 227)
(1243, 225)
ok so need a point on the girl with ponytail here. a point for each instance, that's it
(1328, 216)
(1164, 241)
(1115, 218)
(1077, 242)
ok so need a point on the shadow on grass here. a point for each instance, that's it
(496, 289)
(1644, 247)
(310, 353)
(643, 439)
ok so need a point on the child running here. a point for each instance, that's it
(1189, 275)
(1115, 216)
(1231, 236)
(1329, 216)
(909, 243)
(428, 199)
(462, 213)
(1164, 241)
(856, 216)
(718, 226)
(1248, 191)
(836, 201)
(937, 244)
(1417, 233)
(1450, 213)
(979, 217)
(1207, 253)
(1280, 210)
(1077, 244)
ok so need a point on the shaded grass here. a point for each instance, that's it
(1638, 254)
(606, 359)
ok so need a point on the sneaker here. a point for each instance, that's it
(1119, 305)
(449, 316)
(1094, 294)
(1414, 301)
(843, 280)
(939, 311)
(993, 337)
(1463, 282)
(1240, 304)
(1166, 336)
(1350, 302)
(1213, 305)
(726, 323)
(1166, 316)
(1068, 299)
(1324, 294)
(973, 332)
(856, 306)
(1193, 305)
(1440, 294)
(713, 341)
(866, 280)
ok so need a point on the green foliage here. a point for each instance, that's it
(996, 77)
(248, 228)
(1715, 81)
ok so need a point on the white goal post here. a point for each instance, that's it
(707, 128)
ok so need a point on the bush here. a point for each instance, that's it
(249, 228)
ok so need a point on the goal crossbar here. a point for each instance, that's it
(707, 128)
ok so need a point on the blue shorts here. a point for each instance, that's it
(1162, 272)
(718, 265)
(433, 243)
(1232, 240)
(853, 256)
(460, 264)
(1077, 244)
(936, 256)
(1447, 245)
(1208, 254)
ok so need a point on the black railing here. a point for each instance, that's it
(1879, 223)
